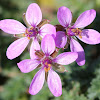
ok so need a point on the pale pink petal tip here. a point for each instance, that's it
(12, 26)
(37, 82)
(33, 14)
(47, 29)
(54, 83)
(64, 16)
(85, 19)
(48, 44)
(66, 58)
(28, 65)
(76, 47)
(17, 47)
(90, 36)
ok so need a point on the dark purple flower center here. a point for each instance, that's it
(74, 32)
(47, 64)
(31, 32)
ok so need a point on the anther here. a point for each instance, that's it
(28, 37)
(23, 34)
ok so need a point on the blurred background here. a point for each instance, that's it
(79, 83)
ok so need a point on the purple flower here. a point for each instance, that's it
(33, 17)
(88, 36)
(46, 60)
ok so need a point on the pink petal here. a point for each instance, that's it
(48, 44)
(37, 82)
(64, 16)
(66, 58)
(34, 46)
(33, 14)
(28, 65)
(12, 26)
(47, 29)
(85, 19)
(90, 36)
(17, 47)
(61, 39)
(54, 83)
(76, 47)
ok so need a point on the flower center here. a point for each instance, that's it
(31, 32)
(74, 32)
(47, 64)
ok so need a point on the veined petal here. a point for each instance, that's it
(48, 44)
(90, 36)
(17, 47)
(60, 39)
(54, 83)
(66, 58)
(37, 82)
(34, 46)
(33, 14)
(12, 26)
(47, 29)
(28, 65)
(76, 47)
(64, 16)
(85, 19)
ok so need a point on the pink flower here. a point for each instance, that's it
(88, 36)
(46, 60)
(33, 17)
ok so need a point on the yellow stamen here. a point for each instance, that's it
(80, 30)
(28, 37)
(26, 30)
(73, 30)
(46, 63)
(31, 28)
(77, 32)
(49, 65)
(80, 36)
(47, 69)
(77, 29)
(23, 34)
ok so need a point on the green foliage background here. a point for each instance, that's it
(79, 83)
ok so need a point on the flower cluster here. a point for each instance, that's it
(46, 40)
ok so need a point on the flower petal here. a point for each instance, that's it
(85, 19)
(48, 44)
(90, 36)
(76, 47)
(28, 65)
(12, 26)
(66, 58)
(47, 29)
(33, 14)
(37, 82)
(54, 83)
(17, 47)
(61, 39)
(34, 46)
(64, 16)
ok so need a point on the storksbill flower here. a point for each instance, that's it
(45, 59)
(68, 32)
(33, 17)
